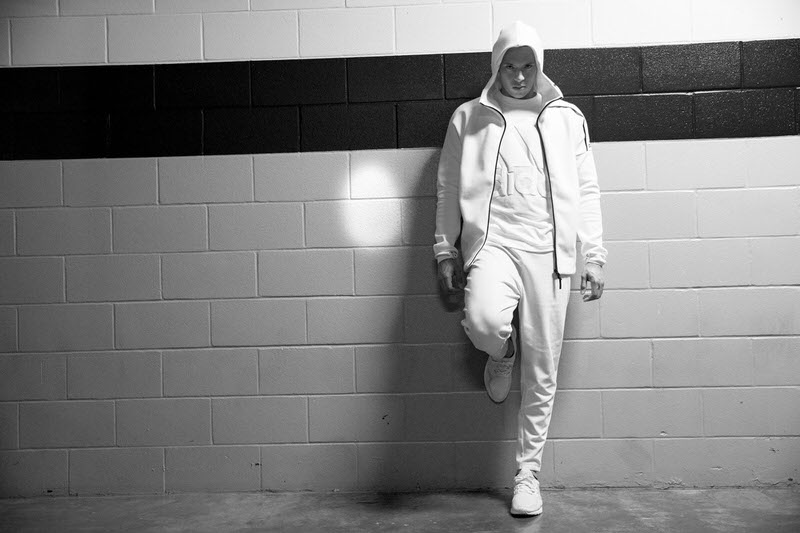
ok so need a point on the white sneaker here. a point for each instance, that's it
(497, 374)
(527, 499)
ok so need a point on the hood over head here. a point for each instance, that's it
(519, 34)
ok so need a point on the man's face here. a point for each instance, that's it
(518, 73)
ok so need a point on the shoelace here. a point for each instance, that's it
(525, 482)
(502, 368)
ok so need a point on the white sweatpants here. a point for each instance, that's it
(500, 281)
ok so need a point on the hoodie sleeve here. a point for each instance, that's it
(448, 210)
(590, 226)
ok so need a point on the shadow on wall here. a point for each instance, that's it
(420, 417)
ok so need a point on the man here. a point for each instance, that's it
(517, 184)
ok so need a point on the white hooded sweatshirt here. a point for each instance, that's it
(469, 157)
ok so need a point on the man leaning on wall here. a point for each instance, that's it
(517, 184)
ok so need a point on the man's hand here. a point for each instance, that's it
(451, 276)
(592, 279)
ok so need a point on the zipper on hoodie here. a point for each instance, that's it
(494, 184)
(556, 273)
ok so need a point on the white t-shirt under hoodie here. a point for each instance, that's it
(520, 215)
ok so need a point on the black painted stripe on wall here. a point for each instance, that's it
(704, 90)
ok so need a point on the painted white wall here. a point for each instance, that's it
(288, 302)
(67, 32)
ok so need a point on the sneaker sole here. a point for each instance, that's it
(520, 512)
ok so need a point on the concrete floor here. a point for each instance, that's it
(566, 511)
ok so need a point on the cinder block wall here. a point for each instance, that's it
(240, 320)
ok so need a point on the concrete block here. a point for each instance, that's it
(51, 328)
(201, 6)
(702, 362)
(8, 245)
(406, 466)
(488, 464)
(312, 370)
(205, 179)
(625, 22)
(628, 266)
(31, 8)
(419, 221)
(66, 424)
(210, 372)
(5, 42)
(301, 177)
(430, 28)
(620, 165)
(242, 35)
(256, 227)
(170, 38)
(656, 313)
(750, 311)
(353, 223)
(9, 426)
(212, 469)
(774, 260)
(355, 320)
(745, 21)
(113, 278)
(693, 164)
(260, 420)
(30, 183)
(603, 463)
(394, 173)
(34, 473)
(773, 161)
(700, 263)
(748, 213)
(32, 280)
(105, 7)
(397, 270)
(294, 4)
(162, 325)
(305, 273)
(467, 416)
(347, 32)
(160, 229)
(317, 467)
(64, 231)
(33, 377)
(164, 422)
(556, 30)
(116, 471)
(8, 329)
(755, 411)
(577, 414)
(361, 418)
(100, 182)
(69, 40)
(777, 361)
(114, 375)
(258, 322)
(404, 368)
(427, 320)
(209, 275)
(658, 215)
(726, 461)
(583, 318)
(652, 413)
(602, 364)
